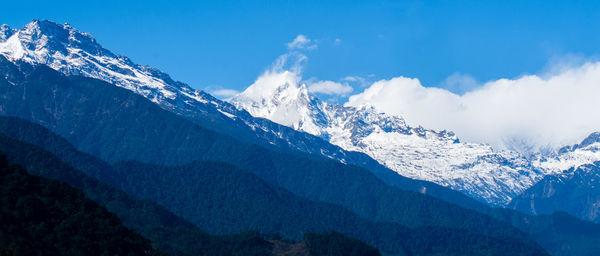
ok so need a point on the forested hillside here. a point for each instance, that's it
(45, 217)
(232, 202)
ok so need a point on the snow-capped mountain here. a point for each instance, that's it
(280, 106)
(72, 52)
(415, 152)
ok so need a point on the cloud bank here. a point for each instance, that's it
(528, 113)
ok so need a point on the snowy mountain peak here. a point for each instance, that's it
(48, 37)
(281, 98)
(273, 85)
(49, 28)
(72, 52)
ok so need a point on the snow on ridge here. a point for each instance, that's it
(287, 103)
(572, 157)
(478, 170)
(72, 52)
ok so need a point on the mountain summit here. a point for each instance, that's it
(72, 52)
(280, 98)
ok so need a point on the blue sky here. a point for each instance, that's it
(228, 44)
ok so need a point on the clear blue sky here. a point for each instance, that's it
(228, 44)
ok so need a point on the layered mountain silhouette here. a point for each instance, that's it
(123, 132)
(72, 52)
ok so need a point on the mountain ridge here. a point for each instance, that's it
(478, 170)
(481, 172)
(118, 124)
(64, 56)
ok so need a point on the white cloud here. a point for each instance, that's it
(337, 41)
(357, 80)
(459, 83)
(301, 42)
(353, 79)
(330, 88)
(287, 69)
(292, 61)
(539, 111)
(224, 93)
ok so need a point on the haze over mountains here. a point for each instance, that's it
(347, 166)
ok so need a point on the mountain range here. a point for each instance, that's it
(478, 170)
(449, 221)
(74, 53)
(489, 175)
(356, 170)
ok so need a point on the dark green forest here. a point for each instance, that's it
(168, 232)
(46, 217)
(40, 216)
(285, 212)
(336, 244)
